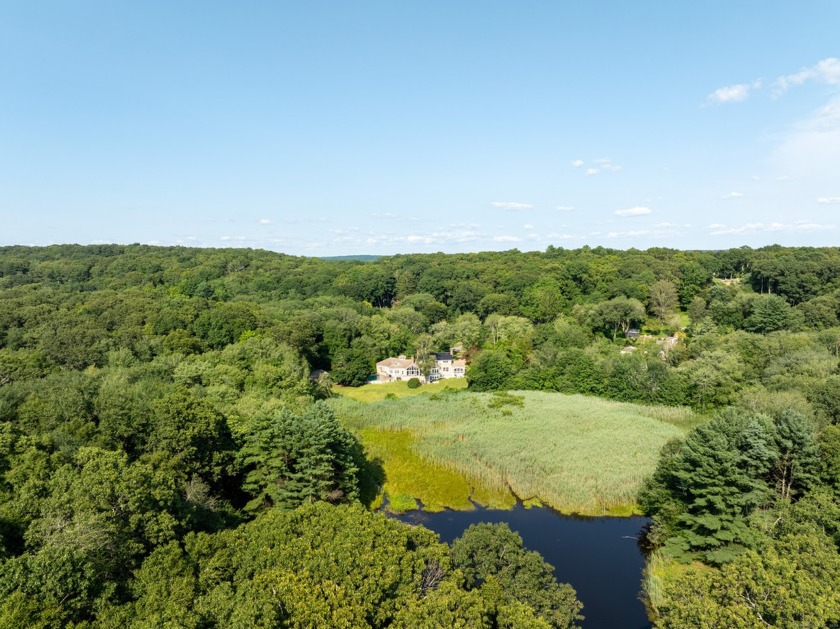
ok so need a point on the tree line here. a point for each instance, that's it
(160, 414)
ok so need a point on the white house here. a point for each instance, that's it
(402, 368)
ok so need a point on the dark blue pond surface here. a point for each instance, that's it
(599, 557)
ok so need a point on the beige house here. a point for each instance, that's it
(402, 368)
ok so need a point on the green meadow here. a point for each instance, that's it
(574, 453)
(376, 392)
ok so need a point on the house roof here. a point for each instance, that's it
(443, 356)
(396, 363)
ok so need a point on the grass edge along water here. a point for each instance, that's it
(452, 448)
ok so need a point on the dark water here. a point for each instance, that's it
(599, 557)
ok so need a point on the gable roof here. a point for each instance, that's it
(396, 363)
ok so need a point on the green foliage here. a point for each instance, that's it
(88, 524)
(770, 313)
(130, 377)
(295, 459)
(492, 553)
(792, 583)
(500, 399)
(194, 435)
(490, 371)
(224, 324)
(705, 490)
(413, 383)
(352, 367)
(619, 313)
(316, 566)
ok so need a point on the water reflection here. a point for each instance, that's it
(600, 557)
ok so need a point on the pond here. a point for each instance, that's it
(599, 557)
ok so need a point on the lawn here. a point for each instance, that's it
(574, 453)
(376, 392)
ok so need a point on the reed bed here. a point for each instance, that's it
(376, 392)
(574, 453)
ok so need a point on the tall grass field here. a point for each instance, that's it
(574, 453)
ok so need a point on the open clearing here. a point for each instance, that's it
(574, 453)
(376, 392)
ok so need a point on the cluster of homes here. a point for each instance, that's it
(402, 368)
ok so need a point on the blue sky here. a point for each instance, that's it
(330, 128)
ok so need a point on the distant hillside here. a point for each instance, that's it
(351, 258)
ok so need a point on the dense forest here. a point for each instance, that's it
(166, 456)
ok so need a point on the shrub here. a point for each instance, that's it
(414, 383)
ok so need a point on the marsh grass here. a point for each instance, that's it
(660, 571)
(574, 453)
(376, 392)
(409, 475)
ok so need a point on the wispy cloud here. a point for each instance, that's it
(599, 165)
(717, 229)
(565, 208)
(605, 163)
(829, 200)
(826, 71)
(633, 211)
(527, 226)
(265, 221)
(384, 215)
(662, 230)
(507, 239)
(812, 147)
(511, 205)
(633, 233)
(732, 93)
(435, 239)
(732, 195)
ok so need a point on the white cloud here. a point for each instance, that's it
(384, 215)
(732, 195)
(752, 228)
(829, 200)
(826, 71)
(528, 226)
(437, 238)
(634, 233)
(577, 163)
(633, 211)
(507, 239)
(592, 171)
(511, 205)
(605, 163)
(565, 208)
(730, 94)
(265, 221)
(225, 238)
